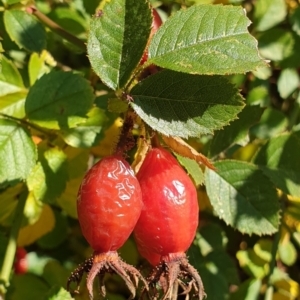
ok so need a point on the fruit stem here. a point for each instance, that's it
(155, 140)
(12, 245)
(56, 28)
(126, 141)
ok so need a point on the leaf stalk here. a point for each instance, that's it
(12, 245)
(56, 28)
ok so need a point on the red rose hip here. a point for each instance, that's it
(168, 222)
(109, 204)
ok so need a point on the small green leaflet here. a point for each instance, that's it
(17, 152)
(269, 13)
(25, 30)
(186, 105)
(59, 100)
(206, 39)
(89, 133)
(117, 40)
(49, 177)
(279, 160)
(243, 197)
(192, 168)
(10, 78)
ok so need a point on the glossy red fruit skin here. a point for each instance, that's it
(156, 23)
(169, 217)
(109, 203)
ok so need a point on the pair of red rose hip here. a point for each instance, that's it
(159, 205)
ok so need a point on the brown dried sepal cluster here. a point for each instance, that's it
(101, 264)
(174, 276)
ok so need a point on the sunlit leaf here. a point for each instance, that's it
(88, 133)
(288, 82)
(17, 152)
(48, 178)
(206, 39)
(10, 78)
(8, 202)
(25, 30)
(59, 100)
(117, 40)
(279, 160)
(269, 13)
(252, 264)
(243, 197)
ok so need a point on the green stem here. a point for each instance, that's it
(56, 28)
(12, 245)
(24, 122)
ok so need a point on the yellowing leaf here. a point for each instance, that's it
(111, 135)
(29, 234)
(67, 201)
(8, 203)
(179, 146)
(289, 285)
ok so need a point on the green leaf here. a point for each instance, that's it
(209, 275)
(36, 67)
(17, 152)
(68, 19)
(279, 160)
(272, 123)
(59, 100)
(252, 264)
(206, 39)
(10, 78)
(263, 249)
(59, 293)
(269, 13)
(243, 197)
(8, 202)
(116, 105)
(248, 290)
(59, 234)
(27, 287)
(211, 237)
(115, 50)
(13, 104)
(276, 44)
(192, 168)
(87, 134)
(295, 20)
(287, 253)
(237, 131)
(48, 178)
(288, 82)
(185, 105)
(258, 95)
(25, 30)
(77, 166)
